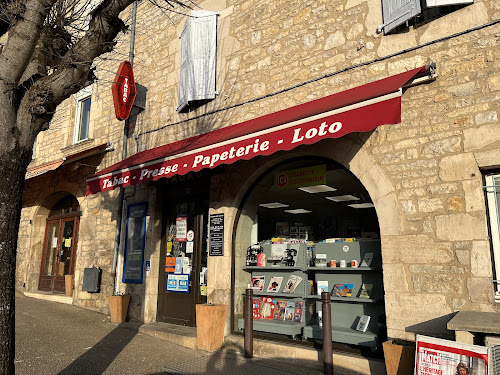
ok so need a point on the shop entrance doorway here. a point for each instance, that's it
(60, 243)
(183, 263)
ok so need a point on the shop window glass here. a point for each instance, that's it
(308, 207)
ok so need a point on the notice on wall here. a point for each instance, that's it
(178, 283)
(169, 264)
(134, 243)
(216, 235)
(443, 357)
(189, 247)
(181, 229)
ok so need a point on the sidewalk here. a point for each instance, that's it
(55, 338)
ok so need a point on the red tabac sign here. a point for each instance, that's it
(123, 89)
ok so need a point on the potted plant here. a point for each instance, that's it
(118, 307)
(399, 357)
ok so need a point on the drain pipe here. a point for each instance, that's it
(121, 197)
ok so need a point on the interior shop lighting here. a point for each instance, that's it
(362, 205)
(343, 198)
(273, 205)
(317, 189)
(298, 211)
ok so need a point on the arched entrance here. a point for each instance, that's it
(59, 245)
(314, 227)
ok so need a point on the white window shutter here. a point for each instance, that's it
(185, 68)
(396, 12)
(438, 3)
(198, 58)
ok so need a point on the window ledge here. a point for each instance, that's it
(78, 147)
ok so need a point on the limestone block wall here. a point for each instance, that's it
(424, 174)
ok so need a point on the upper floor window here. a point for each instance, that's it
(82, 116)
(398, 12)
(493, 200)
(198, 59)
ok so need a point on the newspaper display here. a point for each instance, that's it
(443, 357)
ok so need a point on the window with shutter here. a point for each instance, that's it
(198, 58)
(396, 12)
(438, 3)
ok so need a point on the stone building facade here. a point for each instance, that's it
(425, 175)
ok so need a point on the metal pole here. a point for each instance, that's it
(248, 331)
(327, 333)
(124, 156)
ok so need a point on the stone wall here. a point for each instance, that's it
(424, 174)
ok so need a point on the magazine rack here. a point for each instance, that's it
(347, 310)
(299, 294)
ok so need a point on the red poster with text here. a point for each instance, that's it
(443, 357)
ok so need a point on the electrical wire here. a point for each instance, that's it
(328, 75)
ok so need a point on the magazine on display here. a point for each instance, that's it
(279, 309)
(298, 312)
(256, 308)
(322, 286)
(362, 326)
(258, 282)
(342, 290)
(366, 291)
(290, 310)
(267, 308)
(274, 284)
(292, 283)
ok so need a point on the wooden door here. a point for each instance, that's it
(177, 307)
(59, 251)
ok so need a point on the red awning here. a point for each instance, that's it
(359, 109)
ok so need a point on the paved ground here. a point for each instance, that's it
(53, 338)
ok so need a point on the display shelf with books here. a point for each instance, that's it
(279, 288)
(353, 277)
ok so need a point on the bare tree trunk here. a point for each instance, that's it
(12, 173)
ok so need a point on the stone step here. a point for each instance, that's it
(180, 335)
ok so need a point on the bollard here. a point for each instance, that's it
(327, 333)
(248, 331)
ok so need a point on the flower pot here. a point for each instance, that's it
(118, 306)
(399, 359)
(69, 281)
(210, 323)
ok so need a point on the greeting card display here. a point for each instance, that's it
(342, 290)
(322, 286)
(292, 283)
(258, 282)
(275, 284)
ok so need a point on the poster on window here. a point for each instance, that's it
(135, 238)
(178, 283)
(181, 229)
(443, 357)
